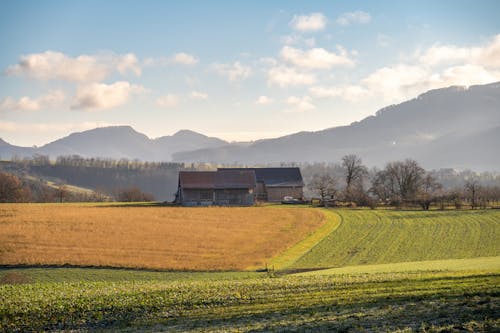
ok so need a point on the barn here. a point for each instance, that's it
(274, 184)
(221, 187)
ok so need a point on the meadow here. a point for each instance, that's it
(354, 270)
(386, 236)
(171, 238)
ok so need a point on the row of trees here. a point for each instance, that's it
(15, 189)
(400, 183)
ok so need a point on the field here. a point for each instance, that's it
(382, 236)
(426, 301)
(150, 237)
(396, 271)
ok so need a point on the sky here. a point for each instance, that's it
(238, 70)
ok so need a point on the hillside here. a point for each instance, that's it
(116, 142)
(453, 127)
(380, 237)
(463, 122)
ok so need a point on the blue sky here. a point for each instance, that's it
(232, 69)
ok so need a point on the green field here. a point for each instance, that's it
(385, 236)
(387, 271)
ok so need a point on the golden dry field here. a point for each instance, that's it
(212, 238)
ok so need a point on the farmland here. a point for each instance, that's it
(384, 271)
(385, 236)
(150, 237)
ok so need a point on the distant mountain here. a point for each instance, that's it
(117, 142)
(454, 127)
(449, 127)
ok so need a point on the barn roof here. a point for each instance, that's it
(197, 179)
(217, 179)
(276, 177)
(235, 179)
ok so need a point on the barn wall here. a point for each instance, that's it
(197, 197)
(260, 192)
(278, 193)
(237, 197)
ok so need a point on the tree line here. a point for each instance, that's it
(399, 184)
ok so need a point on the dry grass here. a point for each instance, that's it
(150, 237)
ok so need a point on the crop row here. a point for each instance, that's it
(267, 304)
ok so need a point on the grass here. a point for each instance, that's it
(367, 237)
(465, 301)
(291, 255)
(488, 264)
(400, 271)
(173, 238)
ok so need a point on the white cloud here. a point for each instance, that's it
(126, 63)
(185, 59)
(284, 76)
(316, 58)
(312, 22)
(180, 58)
(487, 55)
(168, 101)
(395, 83)
(51, 65)
(354, 17)
(300, 104)
(234, 72)
(198, 95)
(297, 39)
(351, 93)
(53, 98)
(9, 126)
(264, 100)
(100, 96)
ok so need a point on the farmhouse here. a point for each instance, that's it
(221, 187)
(273, 184)
(238, 186)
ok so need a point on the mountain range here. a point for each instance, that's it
(455, 127)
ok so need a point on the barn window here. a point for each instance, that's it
(206, 195)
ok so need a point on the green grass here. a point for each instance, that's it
(382, 236)
(300, 249)
(69, 275)
(374, 302)
(488, 264)
(397, 271)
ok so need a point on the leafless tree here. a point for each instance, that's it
(324, 185)
(472, 187)
(12, 189)
(62, 193)
(354, 173)
(428, 192)
(404, 181)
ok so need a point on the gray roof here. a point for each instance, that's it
(276, 177)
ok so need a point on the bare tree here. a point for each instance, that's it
(407, 176)
(404, 181)
(354, 173)
(428, 192)
(472, 187)
(324, 185)
(12, 189)
(62, 192)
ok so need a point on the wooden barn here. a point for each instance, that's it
(274, 184)
(221, 187)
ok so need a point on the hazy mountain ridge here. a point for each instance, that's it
(117, 142)
(449, 127)
(440, 120)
